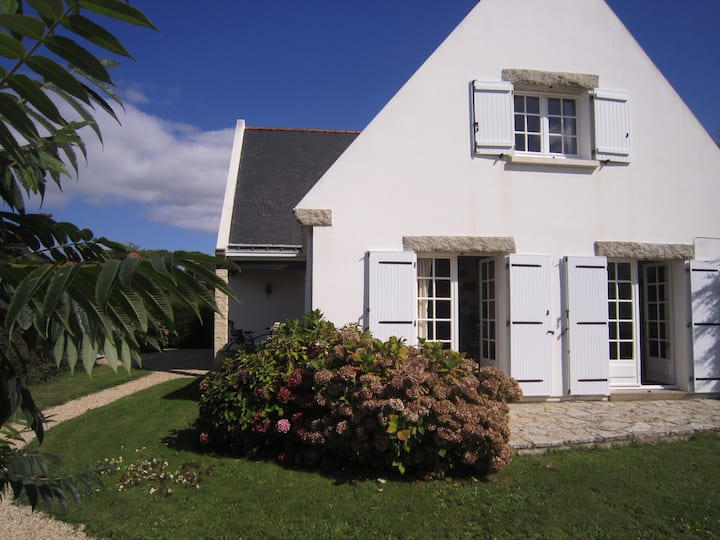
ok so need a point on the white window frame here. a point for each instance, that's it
(545, 124)
(423, 318)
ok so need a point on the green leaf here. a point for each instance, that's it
(71, 353)
(23, 292)
(77, 56)
(8, 6)
(30, 90)
(53, 72)
(94, 33)
(127, 269)
(118, 10)
(106, 281)
(10, 47)
(16, 116)
(59, 348)
(111, 353)
(51, 9)
(89, 353)
(24, 25)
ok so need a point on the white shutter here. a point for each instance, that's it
(612, 125)
(392, 284)
(586, 312)
(705, 297)
(530, 323)
(493, 117)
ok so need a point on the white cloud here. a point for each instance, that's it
(175, 172)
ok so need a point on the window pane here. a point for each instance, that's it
(613, 351)
(442, 308)
(626, 310)
(613, 330)
(623, 270)
(491, 355)
(533, 124)
(664, 349)
(431, 309)
(652, 312)
(570, 145)
(491, 269)
(569, 126)
(520, 143)
(624, 290)
(654, 348)
(442, 267)
(663, 331)
(442, 288)
(569, 107)
(556, 145)
(519, 122)
(611, 291)
(485, 349)
(519, 103)
(626, 330)
(533, 143)
(612, 310)
(442, 330)
(611, 271)
(430, 331)
(555, 124)
(661, 274)
(653, 331)
(554, 106)
(533, 104)
(652, 293)
(626, 351)
(491, 331)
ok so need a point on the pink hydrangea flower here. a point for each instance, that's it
(284, 394)
(283, 425)
(204, 437)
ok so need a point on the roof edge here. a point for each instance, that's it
(304, 130)
(223, 238)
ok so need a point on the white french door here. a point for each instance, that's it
(658, 364)
(623, 323)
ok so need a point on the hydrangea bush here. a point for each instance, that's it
(314, 394)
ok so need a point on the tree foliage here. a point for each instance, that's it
(64, 292)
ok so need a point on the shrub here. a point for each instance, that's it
(315, 394)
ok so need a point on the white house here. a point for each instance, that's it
(536, 195)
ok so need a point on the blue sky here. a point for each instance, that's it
(159, 180)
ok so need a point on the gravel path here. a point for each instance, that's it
(17, 521)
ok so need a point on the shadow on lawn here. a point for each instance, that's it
(189, 392)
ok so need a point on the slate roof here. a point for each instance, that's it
(277, 168)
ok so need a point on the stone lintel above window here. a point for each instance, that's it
(644, 251)
(557, 81)
(314, 217)
(460, 244)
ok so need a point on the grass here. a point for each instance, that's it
(67, 387)
(669, 490)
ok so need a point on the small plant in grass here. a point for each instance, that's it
(315, 394)
(153, 474)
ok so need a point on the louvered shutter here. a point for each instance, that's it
(493, 117)
(612, 125)
(530, 323)
(705, 298)
(391, 305)
(586, 313)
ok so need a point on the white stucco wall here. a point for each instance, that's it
(411, 171)
(258, 310)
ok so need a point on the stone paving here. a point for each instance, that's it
(537, 427)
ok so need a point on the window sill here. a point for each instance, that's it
(552, 161)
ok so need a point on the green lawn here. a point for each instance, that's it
(67, 387)
(670, 490)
